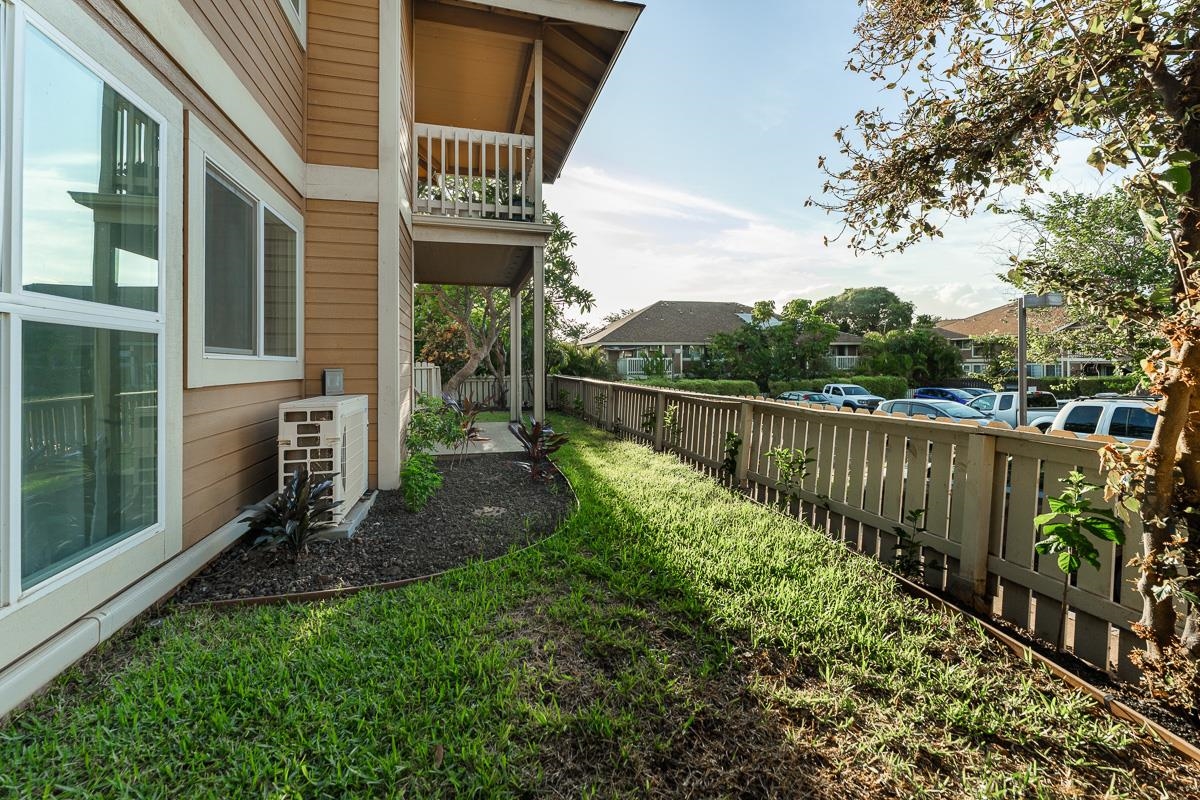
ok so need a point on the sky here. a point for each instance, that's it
(689, 179)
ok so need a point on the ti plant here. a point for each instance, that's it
(907, 550)
(295, 515)
(540, 442)
(793, 469)
(1066, 528)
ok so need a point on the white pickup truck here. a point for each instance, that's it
(851, 395)
(1042, 408)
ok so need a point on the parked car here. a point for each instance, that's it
(1002, 406)
(975, 391)
(935, 409)
(941, 393)
(1125, 418)
(851, 395)
(805, 397)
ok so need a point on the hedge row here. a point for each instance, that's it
(886, 386)
(703, 386)
(1085, 387)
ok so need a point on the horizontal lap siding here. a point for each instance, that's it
(343, 83)
(258, 42)
(229, 445)
(341, 301)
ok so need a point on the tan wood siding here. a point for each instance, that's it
(229, 446)
(343, 83)
(341, 302)
(258, 42)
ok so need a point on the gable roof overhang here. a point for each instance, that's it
(474, 65)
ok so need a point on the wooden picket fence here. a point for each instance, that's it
(979, 487)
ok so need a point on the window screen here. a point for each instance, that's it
(230, 268)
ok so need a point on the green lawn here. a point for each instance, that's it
(672, 640)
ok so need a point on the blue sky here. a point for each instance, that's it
(690, 177)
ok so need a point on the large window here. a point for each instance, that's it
(245, 257)
(81, 323)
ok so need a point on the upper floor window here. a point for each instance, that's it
(297, 13)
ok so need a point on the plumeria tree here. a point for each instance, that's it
(987, 91)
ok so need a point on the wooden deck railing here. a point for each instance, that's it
(980, 488)
(462, 172)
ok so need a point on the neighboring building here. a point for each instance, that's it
(682, 330)
(845, 351)
(1002, 321)
(679, 329)
(209, 206)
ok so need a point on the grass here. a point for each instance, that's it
(672, 640)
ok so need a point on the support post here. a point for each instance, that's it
(539, 333)
(537, 131)
(660, 416)
(515, 384)
(746, 431)
(1022, 365)
(970, 585)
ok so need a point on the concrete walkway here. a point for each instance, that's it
(494, 437)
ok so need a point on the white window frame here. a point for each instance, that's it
(206, 150)
(18, 306)
(298, 18)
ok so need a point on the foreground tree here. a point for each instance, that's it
(988, 90)
(479, 314)
(862, 311)
(1094, 249)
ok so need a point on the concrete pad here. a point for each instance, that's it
(494, 437)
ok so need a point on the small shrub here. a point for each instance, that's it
(793, 469)
(419, 481)
(540, 443)
(434, 422)
(907, 561)
(1066, 527)
(733, 447)
(295, 515)
(672, 426)
(1066, 388)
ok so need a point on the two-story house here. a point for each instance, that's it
(206, 204)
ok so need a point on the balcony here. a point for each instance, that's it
(475, 174)
(844, 362)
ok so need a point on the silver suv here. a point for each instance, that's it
(1127, 419)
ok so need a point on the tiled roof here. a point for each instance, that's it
(1002, 320)
(673, 322)
(847, 338)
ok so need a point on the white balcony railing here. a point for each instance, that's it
(844, 362)
(462, 172)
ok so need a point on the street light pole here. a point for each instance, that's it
(1026, 302)
(1022, 366)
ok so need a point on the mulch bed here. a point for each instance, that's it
(486, 506)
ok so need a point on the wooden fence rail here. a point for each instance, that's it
(979, 489)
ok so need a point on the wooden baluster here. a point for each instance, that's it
(442, 169)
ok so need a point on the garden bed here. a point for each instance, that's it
(487, 505)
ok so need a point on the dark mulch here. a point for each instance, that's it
(486, 506)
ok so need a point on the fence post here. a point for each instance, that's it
(660, 411)
(970, 585)
(746, 431)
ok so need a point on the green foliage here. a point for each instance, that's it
(433, 423)
(1001, 353)
(672, 426)
(922, 355)
(864, 310)
(728, 388)
(1094, 250)
(1065, 529)
(1069, 388)
(794, 346)
(654, 364)
(419, 481)
(793, 469)
(579, 361)
(888, 387)
(296, 515)
(907, 552)
(733, 447)
(540, 442)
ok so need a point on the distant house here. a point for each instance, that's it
(679, 329)
(1002, 321)
(844, 351)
